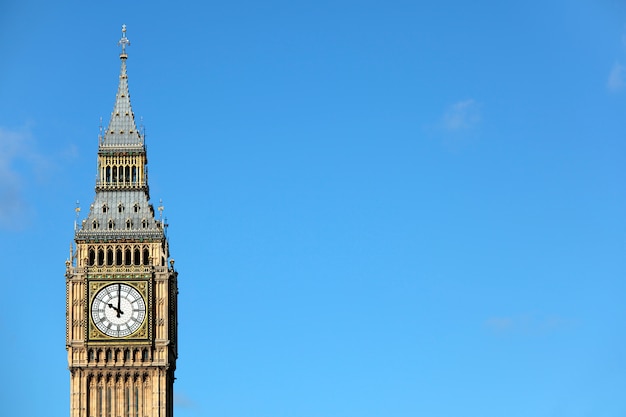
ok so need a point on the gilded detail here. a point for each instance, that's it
(121, 285)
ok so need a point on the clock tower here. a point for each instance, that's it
(121, 285)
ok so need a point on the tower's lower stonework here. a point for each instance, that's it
(121, 294)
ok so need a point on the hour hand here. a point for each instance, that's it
(119, 311)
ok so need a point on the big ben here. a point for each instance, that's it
(121, 285)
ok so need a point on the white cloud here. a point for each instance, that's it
(462, 115)
(16, 149)
(23, 166)
(499, 324)
(182, 401)
(616, 77)
(526, 324)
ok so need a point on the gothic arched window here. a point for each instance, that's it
(108, 401)
(136, 401)
(127, 402)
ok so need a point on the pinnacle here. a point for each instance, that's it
(122, 130)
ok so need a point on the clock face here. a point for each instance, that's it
(118, 310)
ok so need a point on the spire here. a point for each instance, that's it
(121, 209)
(122, 130)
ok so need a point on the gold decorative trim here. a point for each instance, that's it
(143, 332)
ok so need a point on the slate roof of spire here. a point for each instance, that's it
(122, 130)
(121, 214)
(118, 215)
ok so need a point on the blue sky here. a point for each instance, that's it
(376, 208)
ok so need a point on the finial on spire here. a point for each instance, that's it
(123, 42)
(77, 210)
(100, 135)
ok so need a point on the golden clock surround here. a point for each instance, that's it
(143, 333)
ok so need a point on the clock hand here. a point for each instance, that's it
(116, 309)
(119, 300)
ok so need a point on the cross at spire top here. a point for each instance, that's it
(123, 42)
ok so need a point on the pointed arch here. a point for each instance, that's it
(137, 257)
(127, 256)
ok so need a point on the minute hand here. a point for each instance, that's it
(119, 300)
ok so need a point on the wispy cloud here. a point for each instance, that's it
(182, 401)
(462, 115)
(499, 324)
(616, 80)
(17, 155)
(24, 167)
(526, 324)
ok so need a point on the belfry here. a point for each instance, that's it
(121, 294)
